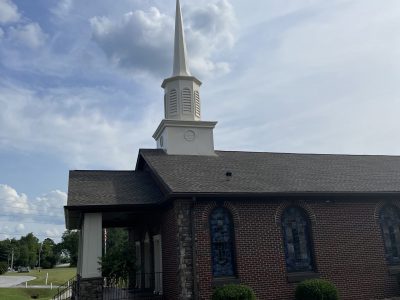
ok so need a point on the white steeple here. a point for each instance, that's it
(180, 67)
(182, 131)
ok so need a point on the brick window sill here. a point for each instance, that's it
(394, 270)
(300, 276)
(220, 281)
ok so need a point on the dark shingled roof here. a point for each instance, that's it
(265, 172)
(112, 188)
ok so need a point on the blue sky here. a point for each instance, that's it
(80, 86)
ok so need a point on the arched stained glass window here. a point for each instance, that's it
(389, 219)
(297, 240)
(222, 243)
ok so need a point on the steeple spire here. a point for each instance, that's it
(180, 66)
(182, 132)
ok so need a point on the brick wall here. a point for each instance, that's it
(348, 248)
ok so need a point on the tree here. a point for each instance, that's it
(29, 247)
(119, 262)
(48, 256)
(4, 250)
(69, 244)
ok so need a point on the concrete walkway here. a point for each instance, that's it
(11, 281)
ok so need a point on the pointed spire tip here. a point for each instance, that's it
(180, 57)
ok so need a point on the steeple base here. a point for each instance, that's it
(185, 137)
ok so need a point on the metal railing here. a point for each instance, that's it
(146, 286)
(68, 290)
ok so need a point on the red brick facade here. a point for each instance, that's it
(347, 242)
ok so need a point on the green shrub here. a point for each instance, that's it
(3, 267)
(233, 292)
(316, 289)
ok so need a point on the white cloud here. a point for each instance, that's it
(48, 207)
(44, 215)
(63, 8)
(12, 202)
(136, 41)
(53, 233)
(20, 227)
(1, 33)
(30, 34)
(8, 12)
(73, 129)
(319, 82)
(143, 41)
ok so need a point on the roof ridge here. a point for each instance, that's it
(310, 153)
(291, 153)
(100, 171)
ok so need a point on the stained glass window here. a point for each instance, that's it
(390, 224)
(221, 228)
(297, 240)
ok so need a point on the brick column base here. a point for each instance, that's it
(91, 288)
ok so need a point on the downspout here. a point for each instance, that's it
(194, 250)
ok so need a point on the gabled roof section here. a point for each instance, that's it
(99, 188)
(268, 173)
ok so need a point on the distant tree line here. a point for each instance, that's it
(28, 251)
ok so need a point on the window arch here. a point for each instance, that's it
(222, 242)
(297, 240)
(389, 219)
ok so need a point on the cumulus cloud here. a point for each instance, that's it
(20, 227)
(137, 41)
(62, 9)
(13, 203)
(30, 35)
(46, 208)
(319, 82)
(73, 129)
(43, 215)
(142, 40)
(8, 12)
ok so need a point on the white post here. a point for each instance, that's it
(158, 288)
(47, 277)
(80, 253)
(12, 260)
(51, 285)
(91, 245)
(26, 284)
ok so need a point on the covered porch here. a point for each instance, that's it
(125, 200)
(144, 233)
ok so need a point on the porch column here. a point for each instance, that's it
(91, 281)
(79, 262)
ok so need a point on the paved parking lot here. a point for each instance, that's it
(10, 281)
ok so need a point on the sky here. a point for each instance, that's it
(80, 86)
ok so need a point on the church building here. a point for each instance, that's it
(201, 217)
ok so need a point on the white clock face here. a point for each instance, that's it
(189, 135)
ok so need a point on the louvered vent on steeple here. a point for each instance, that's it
(182, 132)
(197, 103)
(173, 102)
(186, 100)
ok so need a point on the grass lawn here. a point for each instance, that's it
(57, 276)
(23, 294)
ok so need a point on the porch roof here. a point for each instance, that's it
(266, 173)
(103, 188)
